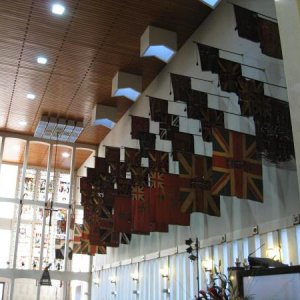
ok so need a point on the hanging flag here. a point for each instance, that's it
(269, 38)
(182, 142)
(139, 125)
(159, 161)
(123, 187)
(77, 238)
(210, 118)
(112, 154)
(209, 58)
(140, 211)
(101, 165)
(85, 187)
(250, 93)
(246, 23)
(273, 129)
(182, 87)
(197, 104)
(158, 109)
(168, 127)
(132, 158)
(147, 143)
(195, 185)
(86, 246)
(122, 215)
(229, 72)
(168, 199)
(139, 176)
(237, 168)
(152, 196)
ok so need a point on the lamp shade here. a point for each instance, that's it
(158, 42)
(127, 85)
(104, 115)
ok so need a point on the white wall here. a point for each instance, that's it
(280, 185)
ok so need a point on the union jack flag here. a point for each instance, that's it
(195, 185)
(159, 161)
(77, 238)
(237, 169)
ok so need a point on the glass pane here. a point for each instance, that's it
(55, 291)
(25, 289)
(14, 151)
(5, 248)
(28, 254)
(8, 180)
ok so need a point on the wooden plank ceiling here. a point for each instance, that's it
(85, 47)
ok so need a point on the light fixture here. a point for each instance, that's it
(45, 279)
(164, 272)
(114, 293)
(58, 129)
(189, 242)
(207, 265)
(136, 292)
(104, 115)
(22, 123)
(113, 279)
(30, 96)
(166, 291)
(211, 3)
(127, 85)
(97, 281)
(273, 253)
(135, 276)
(192, 257)
(58, 9)
(158, 42)
(41, 60)
(65, 154)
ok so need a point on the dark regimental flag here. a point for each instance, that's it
(229, 72)
(209, 58)
(182, 87)
(158, 109)
(112, 154)
(237, 168)
(195, 185)
(251, 93)
(197, 104)
(139, 125)
(147, 143)
(182, 142)
(122, 215)
(167, 200)
(140, 211)
(139, 176)
(101, 164)
(123, 187)
(86, 246)
(210, 118)
(86, 188)
(168, 127)
(152, 196)
(246, 23)
(269, 38)
(159, 161)
(132, 158)
(273, 128)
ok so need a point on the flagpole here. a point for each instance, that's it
(198, 273)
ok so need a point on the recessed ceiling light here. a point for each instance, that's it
(16, 147)
(23, 123)
(30, 96)
(41, 60)
(58, 9)
(65, 154)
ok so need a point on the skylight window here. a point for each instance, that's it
(211, 3)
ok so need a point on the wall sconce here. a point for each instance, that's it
(97, 281)
(207, 264)
(164, 272)
(135, 276)
(166, 291)
(158, 42)
(113, 279)
(114, 293)
(136, 292)
(127, 85)
(273, 253)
